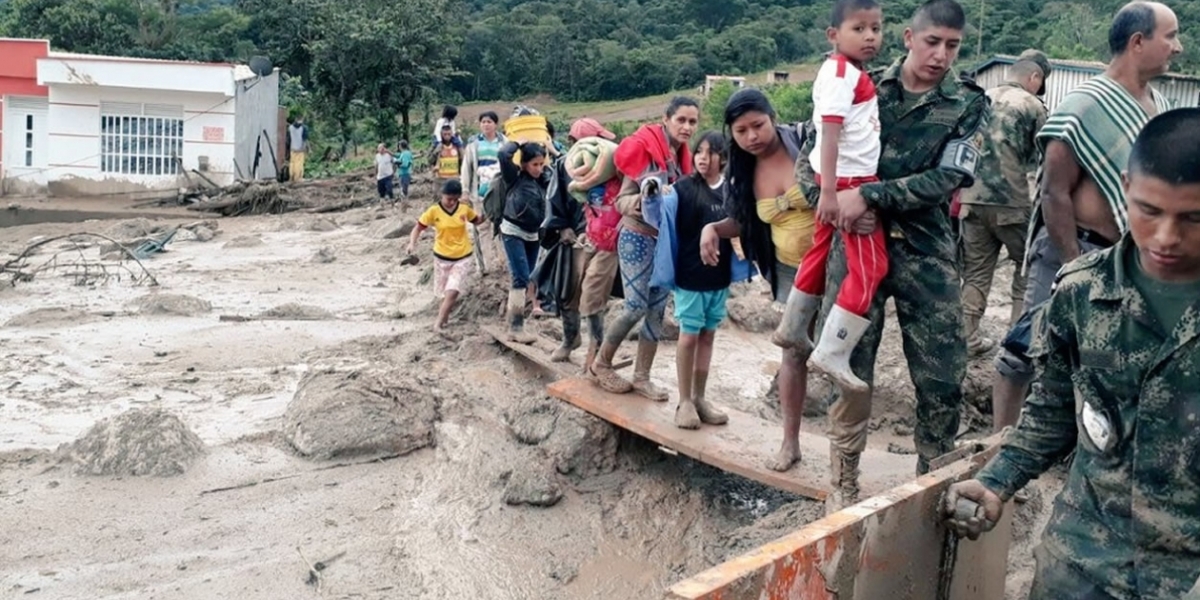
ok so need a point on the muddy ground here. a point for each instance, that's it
(244, 317)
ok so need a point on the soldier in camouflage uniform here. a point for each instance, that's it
(931, 127)
(1117, 361)
(995, 211)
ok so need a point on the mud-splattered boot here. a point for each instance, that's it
(843, 330)
(797, 316)
(516, 318)
(977, 345)
(570, 341)
(686, 416)
(641, 372)
(844, 468)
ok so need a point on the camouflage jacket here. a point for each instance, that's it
(1009, 153)
(1123, 394)
(928, 151)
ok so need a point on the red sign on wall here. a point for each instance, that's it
(214, 134)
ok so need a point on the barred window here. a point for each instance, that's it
(140, 139)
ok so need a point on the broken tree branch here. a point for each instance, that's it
(18, 267)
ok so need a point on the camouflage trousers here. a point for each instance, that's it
(925, 290)
(985, 230)
(1057, 579)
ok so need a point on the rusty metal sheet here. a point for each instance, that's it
(886, 547)
(740, 447)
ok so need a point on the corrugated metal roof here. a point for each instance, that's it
(1085, 66)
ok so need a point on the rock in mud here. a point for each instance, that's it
(753, 313)
(396, 228)
(133, 229)
(172, 304)
(324, 256)
(533, 418)
(244, 241)
(336, 414)
(297, 312)
(322, 225)
(532, 485)
(581, 444)
(135, 443)
(52, 316)
(204, 234)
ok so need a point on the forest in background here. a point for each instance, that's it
(367, 61)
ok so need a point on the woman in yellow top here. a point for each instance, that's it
(451, 246)
(775, 225)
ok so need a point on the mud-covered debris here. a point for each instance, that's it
(532, 419)
(244, 241)
(337, 414)
(137, 442)
(530, 484)
(172, 304)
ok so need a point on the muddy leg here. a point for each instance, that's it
(708, 412)
(685, 364)
(793, 386)
(444, 310)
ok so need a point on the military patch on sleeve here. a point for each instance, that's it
(962, 155)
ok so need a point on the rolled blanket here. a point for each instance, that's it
(590, 163)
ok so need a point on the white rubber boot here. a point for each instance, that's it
(842, 332)
(797, 316)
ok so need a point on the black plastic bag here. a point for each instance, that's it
(554, 274)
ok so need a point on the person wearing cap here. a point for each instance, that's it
(995, 211)
(452, 246)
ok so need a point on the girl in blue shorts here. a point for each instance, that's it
(700, 290)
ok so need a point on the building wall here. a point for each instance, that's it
(1181, 93)
(18, 77)
(257, 123)
(75, 137)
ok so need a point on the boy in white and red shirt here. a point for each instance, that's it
(846, 115)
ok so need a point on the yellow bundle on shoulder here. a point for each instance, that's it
(527, 128)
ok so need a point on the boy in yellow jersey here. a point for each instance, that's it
(451, 246)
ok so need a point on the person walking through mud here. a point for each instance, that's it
(452, 246)
(655, 156)
(932, 126)
(385, 169)
(775, 225)
(524, 211)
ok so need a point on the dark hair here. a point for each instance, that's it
(404, 144)
(550, 128)
(740, 167)
(842, 8)
(1168, 148)
(1135, 17)
(679, 102)
(449, 111)
(939, 13)
(447, 127)
(530, 151)
(452, 187)
(716, 144)
(488, 114)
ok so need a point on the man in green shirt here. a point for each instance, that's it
(1116, 353)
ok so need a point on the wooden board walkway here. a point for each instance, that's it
(741, 447)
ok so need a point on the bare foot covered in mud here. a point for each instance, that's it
(686, 416)
(787, 456)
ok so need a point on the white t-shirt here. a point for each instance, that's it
(843, 93)
(384, 166)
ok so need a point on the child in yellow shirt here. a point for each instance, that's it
(451, 246)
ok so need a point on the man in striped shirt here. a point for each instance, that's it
(1085, 144)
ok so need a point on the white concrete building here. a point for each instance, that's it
(114, 124)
